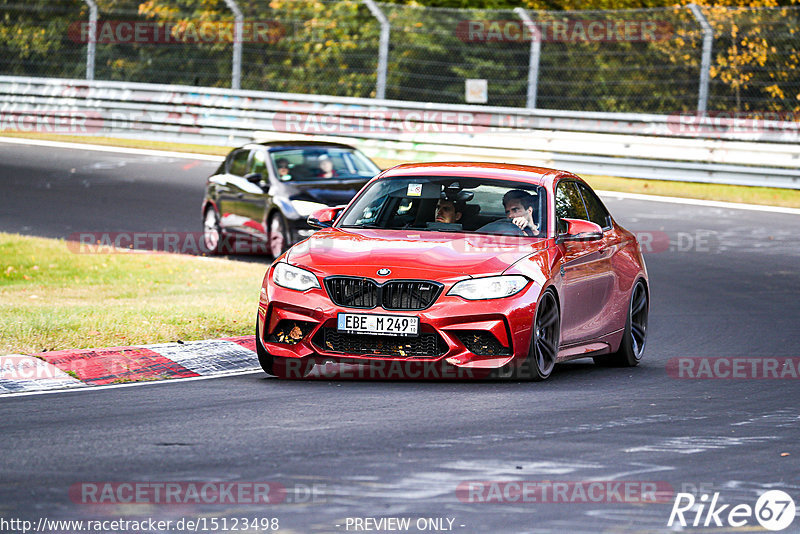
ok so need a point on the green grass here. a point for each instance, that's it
(768, 196)
(52, 298)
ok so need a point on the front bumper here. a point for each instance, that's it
(486, 334)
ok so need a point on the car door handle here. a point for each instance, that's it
(608, 249)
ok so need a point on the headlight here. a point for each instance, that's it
(492, 287)
(305, 208)
(295, 278)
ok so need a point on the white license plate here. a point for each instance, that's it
(393, 325)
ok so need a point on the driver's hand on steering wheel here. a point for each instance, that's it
(522, 222)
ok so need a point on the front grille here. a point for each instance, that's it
(352, 292)
(426, 345)
(412, 295)
(482, 343)
(364, 293)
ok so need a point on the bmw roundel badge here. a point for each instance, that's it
(384, 272)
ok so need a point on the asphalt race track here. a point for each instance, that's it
(724, 283)
(56, 192)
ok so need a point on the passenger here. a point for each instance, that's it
(519, 206)
(448, 211)
(326, 167)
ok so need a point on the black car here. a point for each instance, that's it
(261, 195)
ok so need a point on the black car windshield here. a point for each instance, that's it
(450, 204)
(321, 163)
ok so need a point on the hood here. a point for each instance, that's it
(428, 255)
(333, 192)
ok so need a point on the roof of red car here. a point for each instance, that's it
(475, 169)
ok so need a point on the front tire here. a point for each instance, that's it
(631, 348)
(212, 232)
(545, 340)
(278, 235)
(281, 367)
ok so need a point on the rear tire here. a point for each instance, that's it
(281, 367)
(631, 348)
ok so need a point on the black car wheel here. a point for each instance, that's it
(281, 367)
(544, 342)
(631, 348)
(212, 232)
(278, 236)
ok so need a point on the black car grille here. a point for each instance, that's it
(352, 292)
(414, 295)
(482, 343)
(365, 293)
(426, 345)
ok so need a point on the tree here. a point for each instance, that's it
(755, 62)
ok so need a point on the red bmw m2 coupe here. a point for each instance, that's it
(494, 269)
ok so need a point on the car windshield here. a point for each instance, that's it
(450, 204)
(321, 163)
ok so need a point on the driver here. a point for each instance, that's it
(519, 207)
(448, 211)
(283, 169)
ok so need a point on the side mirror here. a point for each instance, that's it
(253, 177)
(324, 218)
(580, 230)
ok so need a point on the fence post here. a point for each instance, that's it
(534, 57)
(705, 66)
(91, 49)
(383, 49)
(236, 69)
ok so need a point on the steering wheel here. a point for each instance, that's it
(502, 227)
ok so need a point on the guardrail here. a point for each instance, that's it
(682, 147)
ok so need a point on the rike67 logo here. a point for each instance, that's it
(774, 510)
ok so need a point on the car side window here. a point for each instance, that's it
(569, 204)
(238, 162)
(259, 162)
(597, 212)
